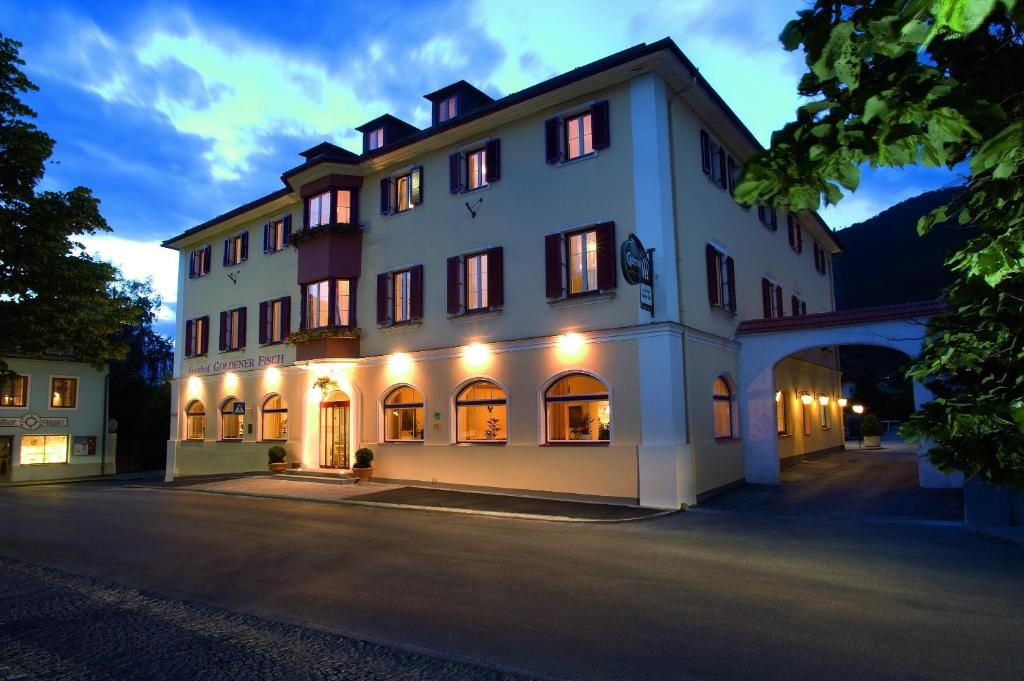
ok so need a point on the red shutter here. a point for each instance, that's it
(287, 227)
(705, 152)
(495, 277)
(795, 302)
(778, 300)
(206, 260)
(714, 292)
(492, 154)
(383, 296)
(192, 265)
(189, 350)
(730, 270)
(245, 245)
(223, 338)
(552, 151)
(455, 173)
(454, 288)
(264, 318)
(416, 292)
(227, 252)
(799, 238)
(286, 316)
(766, 297)
(607, 276)
(385, 195)
(242, 324)
(599, 124)
(554, 270)
(205, 336)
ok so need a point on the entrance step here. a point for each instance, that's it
(335, 477)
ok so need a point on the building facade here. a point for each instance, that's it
(53, 421)
(455, 297)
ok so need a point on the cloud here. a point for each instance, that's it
(139, 260)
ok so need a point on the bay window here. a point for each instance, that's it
(318, 305)
(577, 410)
(481, 413)
(319, 209)
(334, 206)
(63, 392)
(14, 392)
(342, 302)
(403, 415)
(328, 303)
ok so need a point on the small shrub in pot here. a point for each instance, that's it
(363, 467)
(276, 456)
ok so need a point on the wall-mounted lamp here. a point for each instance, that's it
(399, 365)
(571, 346)
(476, 356)
(858, 409)
(231, 380)
(823, 400)
(193, 386)
(842, 402)
(806, 398)
(778, 395)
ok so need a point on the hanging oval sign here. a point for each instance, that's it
(636, 261)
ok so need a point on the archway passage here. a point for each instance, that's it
(767, 344)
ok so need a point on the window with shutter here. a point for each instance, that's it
(772, 295)
(721, 275)
(796, 237)
(553, 140)
(554, 266)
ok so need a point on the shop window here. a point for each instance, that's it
(481, 413)
(403, 415)
(63, 392)
(40, 449)
(275, 418)
(577, 410)
(722, 399)
(195, 421)
(231, 420)
(14, 392)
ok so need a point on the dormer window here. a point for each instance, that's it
(375, 139)
(446, 109)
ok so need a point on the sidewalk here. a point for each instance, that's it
(422, 499)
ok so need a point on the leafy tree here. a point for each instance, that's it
(54, 298)
(936, 83)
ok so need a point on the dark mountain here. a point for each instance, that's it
(886, 262)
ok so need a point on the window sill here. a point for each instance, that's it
(578, 159)
(396, 213)
(397, 327)
(582, 299)
(785, 434)
(228, 351)
(402, 442)
(722, 312)
(238, 441)
(577, 443)
(474, 315)
(13, 408)
(475, 190)
(485, 443)
(270, 344)
(263, 440)
(726, 440)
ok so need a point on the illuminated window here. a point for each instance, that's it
(805, 415)
(476, 282)
(404, 192)
(481, 413)
(722, 400)
(274, 318)
(826, 415)
(14, 392)
(195, 421)
(275, 236)
(446, 109)
(476, 169)
(40, 449)
(231, 419)
(782, 412)
(63, 393)
(236, 249)
(583, 262)
(403, 415)
(342, 302)
(401, 296)
(375, 139)
(319, 209)
(578, 410)
(318, 305)
(579, 139)
(275, 418)
(199, 262)
(196, 336)
(344, 206)
(233, 329)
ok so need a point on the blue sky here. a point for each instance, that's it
(175, 112)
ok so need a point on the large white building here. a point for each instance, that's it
(455, 297)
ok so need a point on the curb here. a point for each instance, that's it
(1000, 534)
(110, 477)
(438, 509)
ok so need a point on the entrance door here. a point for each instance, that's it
(6, 447)
(334, 434)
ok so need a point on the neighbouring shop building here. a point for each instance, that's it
(53, 421)
(469, 299)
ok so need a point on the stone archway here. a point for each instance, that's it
(766, 342)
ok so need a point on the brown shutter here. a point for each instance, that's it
(795, 302)
(223, 343)
(385, 195)
(454, 288)
(492, 154)
(192, 265)
(264, 319)
(189, 350)
(554, 271)
(243, 316)
(775, 220)
(302, 307)
(606, 273)
(383, 298)
(353, 302)
(206, 260)
(714, 293)
(705, 152)
(266, 237)
(730, 269)
(495, 277)
(205, 337)
(416, 292)
(227, 252)
(416, 180)
(723, 171)
(778, 300)
(599, 124)
(286, 316)
(766, 297)
(552, 152)
(455, 173)
(799, 238)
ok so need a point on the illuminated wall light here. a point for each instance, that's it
(806, 398)
(571, 346)
(823, 400)
(231, 380)
(194, 386)
(858, 409)
(842, 402)
(476, 356)
(272, 378)
(399, 365)
(778, 395)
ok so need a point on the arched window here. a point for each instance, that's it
(275, 418)
(481, 413)
(722, 399)
(231, 419)
(577, 410)
(195, 421)
(403, 415)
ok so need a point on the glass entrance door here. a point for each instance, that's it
(6, 447)
(334, 435)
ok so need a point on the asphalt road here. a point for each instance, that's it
(710, 595)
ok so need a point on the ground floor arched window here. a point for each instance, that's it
(275, 418)
(577, 410)
(231, 419)
(481, 413)
(195, 421)
(403, 415)
(722, 401)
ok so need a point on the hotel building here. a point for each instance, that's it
(455, 299)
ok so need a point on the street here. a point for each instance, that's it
(710, 594)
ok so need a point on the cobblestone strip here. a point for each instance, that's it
(55, 625)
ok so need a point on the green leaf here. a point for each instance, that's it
(875, 106)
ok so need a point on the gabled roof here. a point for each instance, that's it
(385, 120)
(458, 86)
(331, 152)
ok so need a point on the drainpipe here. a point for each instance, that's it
(103, 431)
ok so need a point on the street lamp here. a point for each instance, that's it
(842, 402)
(858, 409)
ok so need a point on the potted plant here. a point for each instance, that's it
(276, 456)
(871, 431)
(363, 467)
